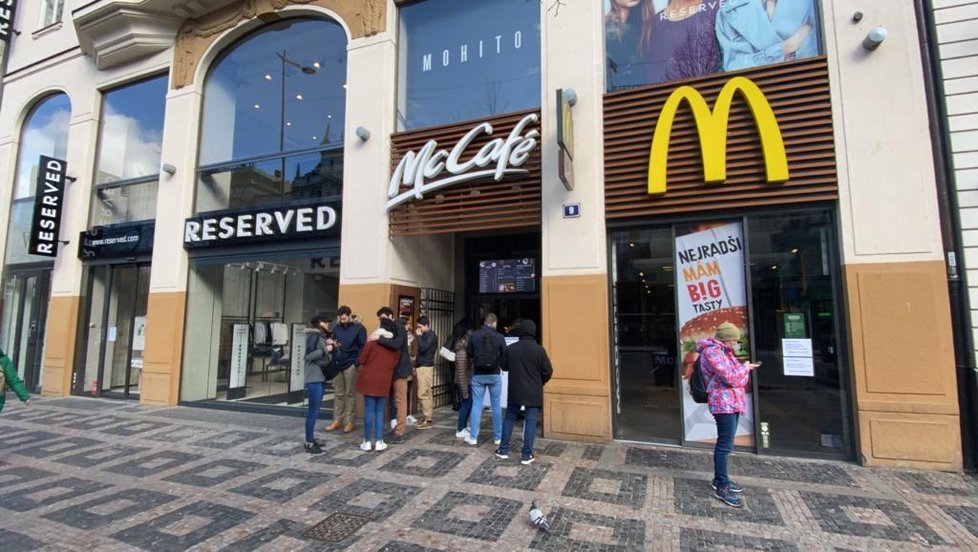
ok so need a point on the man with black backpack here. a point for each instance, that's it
(486, 349)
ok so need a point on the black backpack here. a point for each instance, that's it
(697, 384)
(486, 351)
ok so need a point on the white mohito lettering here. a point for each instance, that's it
(278, 222)
(459, 54)
(420, 170)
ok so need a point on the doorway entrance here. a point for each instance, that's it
(22, 320)
(115, 331)
(502, 276)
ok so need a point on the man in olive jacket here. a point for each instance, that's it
(12, 381)
(529, 370)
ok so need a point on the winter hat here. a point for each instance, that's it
(727, 332)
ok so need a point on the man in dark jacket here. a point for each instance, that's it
(486, 351)
(350, 338)
(402, 372)
(424, 374)
(529, 370)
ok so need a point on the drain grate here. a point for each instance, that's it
(336, 528)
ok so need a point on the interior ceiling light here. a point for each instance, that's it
(316, 64)
(298, 96)
(268, 77)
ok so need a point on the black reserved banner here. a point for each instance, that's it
(48, 205)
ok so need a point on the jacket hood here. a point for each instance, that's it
(707, 343)
(381, 332)
(528, 328)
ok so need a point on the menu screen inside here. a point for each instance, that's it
(508, 276)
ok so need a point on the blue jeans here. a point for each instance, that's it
(529, 428)
(464, 411)
(315, 391)
(726, 430)
(477, 391)
(373, 418)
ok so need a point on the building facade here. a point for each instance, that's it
(628, 174)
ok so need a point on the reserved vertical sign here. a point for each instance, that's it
(48, 204)
(7, 10)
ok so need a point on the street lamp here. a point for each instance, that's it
(306, 69)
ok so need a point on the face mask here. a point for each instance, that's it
(736, 347)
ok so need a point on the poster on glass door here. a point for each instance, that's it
(710, 289)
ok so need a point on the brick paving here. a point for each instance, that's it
(79, 474)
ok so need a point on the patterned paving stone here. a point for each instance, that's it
(154, 463)
(552, 449)
(100, 456)
(607, 486)
(424, 463)
(694, 540)
(55, 447)
(20, 475)
(510, 473)
(109, 509)
(346, 454)
(284, 534)
(61, 419)
(941, 484)
(742, 465)
(695, 498)
(470, 516)
(183, 528)
(16, 541)
(593, 452)
(401, 546)
(46, 494)
(32, 415)
(180, 434)
(283, 485)
(868, 517)
(26, 438)
(377, 500)
(965, 515)
(570, 527)
(134, 427)
(95, 423)
(228, 439)
(215, 473)
(284, 447)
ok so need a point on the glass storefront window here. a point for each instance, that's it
(118, 204)
(654, 41)
(464, 59)
(45, 133)
(245, 321)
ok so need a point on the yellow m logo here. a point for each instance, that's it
(712, 128)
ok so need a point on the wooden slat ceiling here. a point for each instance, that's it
(799, 94)
(481, 205)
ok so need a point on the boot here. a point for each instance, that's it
(334, 426)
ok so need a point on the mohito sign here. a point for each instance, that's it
(712, 126)
(425, 169)
(261, 225)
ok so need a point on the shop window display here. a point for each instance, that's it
(245, 320)
(466, 59)
(654, 41)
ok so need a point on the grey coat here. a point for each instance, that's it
(316, 356)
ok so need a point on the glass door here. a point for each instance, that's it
(22, 319)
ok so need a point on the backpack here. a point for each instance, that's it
(486, 351)
(697, 384)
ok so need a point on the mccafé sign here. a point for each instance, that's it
(432, 168)
(712, 126)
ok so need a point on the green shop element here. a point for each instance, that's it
(794, 325)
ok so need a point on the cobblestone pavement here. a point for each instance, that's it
(85, 474)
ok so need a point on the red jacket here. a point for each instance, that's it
(376, 370)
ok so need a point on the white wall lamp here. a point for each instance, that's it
(875, 37)
(571, 96)
(169, 169)
(362, 133)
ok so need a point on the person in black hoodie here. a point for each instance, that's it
(529, 370)
(403, 370)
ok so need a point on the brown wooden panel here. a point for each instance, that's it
(799, 95)
(481, 205)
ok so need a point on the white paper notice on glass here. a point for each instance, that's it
(796, 347)
(112, 333)
(799, 366)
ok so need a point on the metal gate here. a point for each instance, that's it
(439, 306)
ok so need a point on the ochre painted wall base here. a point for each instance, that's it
(903, 365)
(59, 345)
(162, 359)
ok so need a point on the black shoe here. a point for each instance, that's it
(734, 487)
(313, 448)
(725, 495)
(393, 439)
(527, 460)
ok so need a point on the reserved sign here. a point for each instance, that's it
(47, 207)
(261, 225)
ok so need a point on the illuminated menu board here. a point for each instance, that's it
(508, 276)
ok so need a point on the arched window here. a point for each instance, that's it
(273, 118)
(45, 132)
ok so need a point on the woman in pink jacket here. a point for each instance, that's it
(725, 377)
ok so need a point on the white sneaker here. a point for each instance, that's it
(411, 419)
(365, 446)
(380, 446)
(496, 441)
(393, 423)
(470, 440)
(462, 434)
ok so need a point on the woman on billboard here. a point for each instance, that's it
(678, 41)
(752, 33)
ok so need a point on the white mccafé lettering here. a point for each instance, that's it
(416, 169)
(280, 222)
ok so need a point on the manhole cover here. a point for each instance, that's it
(336, 528)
